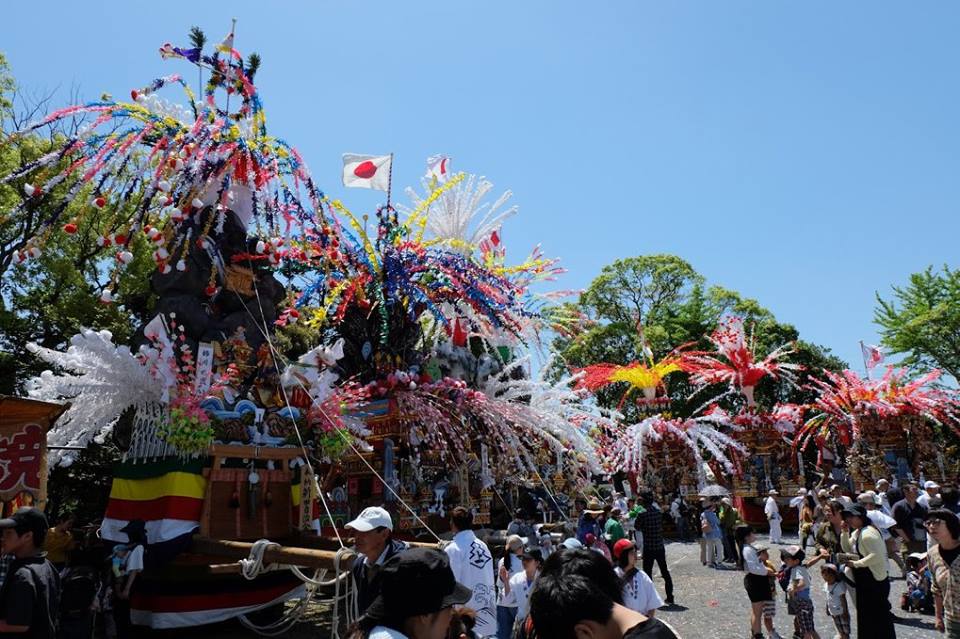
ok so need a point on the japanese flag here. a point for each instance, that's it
(872, 355)
(438, 168)
(367, 171)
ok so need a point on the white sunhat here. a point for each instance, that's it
(572, 543)
(370, 518)
(868, 497)
(930, 484)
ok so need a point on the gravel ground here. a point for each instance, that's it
(710, 604)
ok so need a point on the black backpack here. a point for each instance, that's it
(77, 591)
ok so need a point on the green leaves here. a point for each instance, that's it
(197, 38)
(922, 321)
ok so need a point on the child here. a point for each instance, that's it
(799, 602)
(836, 591)
(117, 560)
(918, 585)
(769, 607)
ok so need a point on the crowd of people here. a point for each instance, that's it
(591, 580)
(55, 583)
(856, 537)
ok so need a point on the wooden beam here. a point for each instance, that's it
(291, 555)
(308, 557)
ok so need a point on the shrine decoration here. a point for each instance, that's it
(648, 378)
(736, 364)
(881, 423)
(628, 452)
(179, 173)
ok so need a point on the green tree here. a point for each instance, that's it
(669, 299)
(48, 299)
(922, 321)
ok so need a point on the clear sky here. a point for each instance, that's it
(805, 154)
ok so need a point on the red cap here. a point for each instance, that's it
(622, 546)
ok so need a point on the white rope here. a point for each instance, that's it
(276, 357)
(344, 591)
(252, 566)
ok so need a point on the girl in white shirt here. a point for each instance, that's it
(639, 593)
(519, 586)
(508, 566)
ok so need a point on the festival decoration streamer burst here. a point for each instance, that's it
(627, 451)
(178, 160)
(736, 363)
(845, 399)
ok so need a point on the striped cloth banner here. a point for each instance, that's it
(166, 494)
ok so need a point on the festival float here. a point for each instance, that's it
(416, 394)
(747, 451)
(882, 428)
(764, 434)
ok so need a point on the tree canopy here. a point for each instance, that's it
(922, 321)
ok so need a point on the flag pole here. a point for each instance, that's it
(233, 31)
(389, 181)
(863, 354)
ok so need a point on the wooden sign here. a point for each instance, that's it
(23, 446)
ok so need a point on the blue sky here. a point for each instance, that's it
(804, 154)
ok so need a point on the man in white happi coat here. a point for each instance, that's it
(772, 510)
(472, 566)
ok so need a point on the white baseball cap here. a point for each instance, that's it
(868, 497)
(370, 518)
(930, 484)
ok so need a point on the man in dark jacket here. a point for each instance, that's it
(30, 596)
(374, 544)
(650, 523)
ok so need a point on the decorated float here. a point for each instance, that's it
(416, 393)
(881, 428)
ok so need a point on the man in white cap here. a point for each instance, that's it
(836, 492)
(772, 510)
(798, 501)
(931, 489)
(374, 544)
(882, 487)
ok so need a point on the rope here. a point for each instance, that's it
(276, 357)
(344, 590)
(252, 566)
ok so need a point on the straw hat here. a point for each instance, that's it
(594, 507)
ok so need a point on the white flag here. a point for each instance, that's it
(367, 171)
(438, 168)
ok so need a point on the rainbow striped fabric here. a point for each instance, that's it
(166, 494)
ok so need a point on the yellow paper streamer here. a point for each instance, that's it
(355, 224)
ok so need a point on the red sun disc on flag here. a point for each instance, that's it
(365, 170)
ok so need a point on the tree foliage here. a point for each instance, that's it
(922, 321)
(48, 299)
(665, 296)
